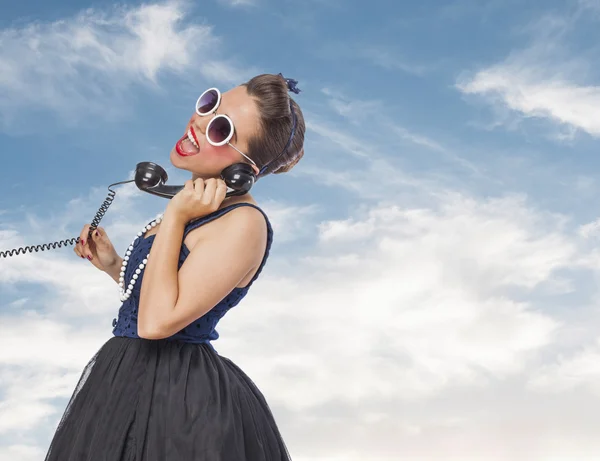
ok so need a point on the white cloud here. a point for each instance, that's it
(86, 63)
(20, 453)
(238, 3)
(537, 92)
(545, 80)
(289, 222)
(428, 287)
(575, 371)
(590, 230)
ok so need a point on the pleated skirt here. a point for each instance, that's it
(145, 400)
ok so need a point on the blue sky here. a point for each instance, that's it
(432, 288)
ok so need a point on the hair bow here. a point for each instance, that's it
(291, 84)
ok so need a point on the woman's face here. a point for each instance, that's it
(210, 160)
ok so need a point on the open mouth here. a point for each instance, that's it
(188, 144)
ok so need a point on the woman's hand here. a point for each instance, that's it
(99, 250)
(197, 198)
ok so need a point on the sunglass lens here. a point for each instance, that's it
(219, 130)
(207, 102)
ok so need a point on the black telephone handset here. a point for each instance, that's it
(152, 178)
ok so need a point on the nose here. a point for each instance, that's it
(200, 123)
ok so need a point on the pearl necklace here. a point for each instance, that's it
(125, 293)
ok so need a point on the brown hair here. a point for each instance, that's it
(273, 101)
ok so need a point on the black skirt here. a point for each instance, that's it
(143, 400)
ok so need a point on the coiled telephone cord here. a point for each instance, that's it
(70, 241)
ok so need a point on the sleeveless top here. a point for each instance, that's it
(203, 329)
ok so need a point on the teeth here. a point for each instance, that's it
(191, 138)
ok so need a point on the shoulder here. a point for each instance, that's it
(246, 217)
(244, 224)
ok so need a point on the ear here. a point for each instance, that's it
(256, 170)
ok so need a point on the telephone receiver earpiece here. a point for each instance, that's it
(152, 178)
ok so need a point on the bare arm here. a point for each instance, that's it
(115, 270)
(171, 299)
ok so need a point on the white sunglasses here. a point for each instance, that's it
(219, 130)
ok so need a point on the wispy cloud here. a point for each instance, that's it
(379, 56)
(546, 80)
(239, 3)
(387, 59)
(363, 143)
(87, 62)
(538, 92)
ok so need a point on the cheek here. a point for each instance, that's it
(215, 155)
(209, 151)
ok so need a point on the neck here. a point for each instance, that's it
(201, 176)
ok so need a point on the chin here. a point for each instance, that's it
(177, 161)
(174, 158)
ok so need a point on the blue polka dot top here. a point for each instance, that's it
(203, 329)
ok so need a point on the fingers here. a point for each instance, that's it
(98, 236)
(220, 193)
(82, 248)
(210, 187)
(214, 192)
(200, 187)
(199, 197)
(84, 234)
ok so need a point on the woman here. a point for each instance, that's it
(158, 390)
